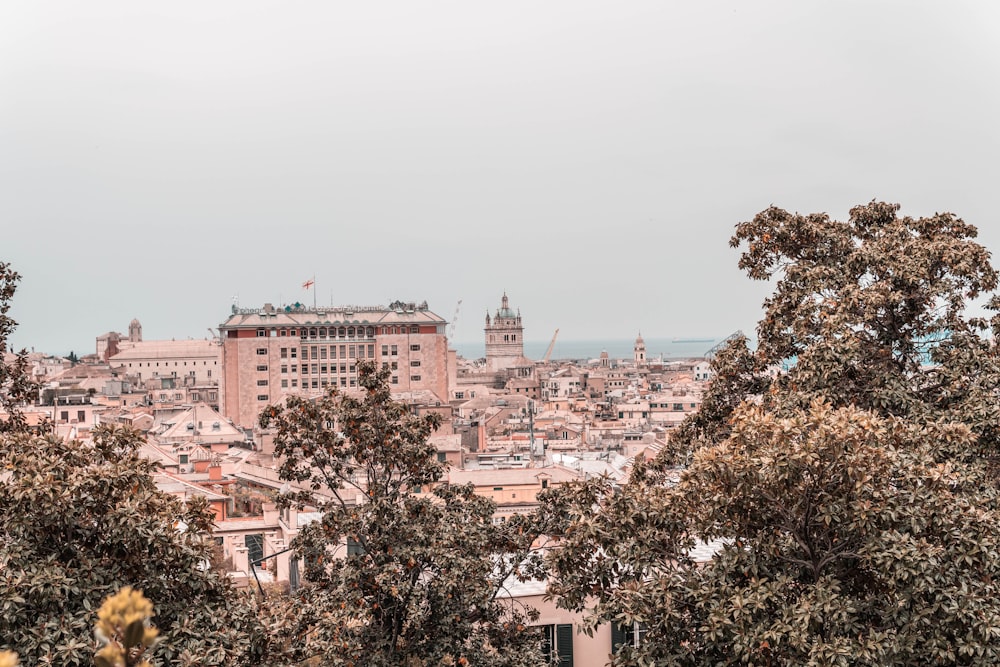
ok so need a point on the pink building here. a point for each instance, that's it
(270, 353)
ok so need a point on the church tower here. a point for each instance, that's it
(504, 338)
(134, 331)
(639, 351)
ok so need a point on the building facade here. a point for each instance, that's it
(269, 353)
(504, 338)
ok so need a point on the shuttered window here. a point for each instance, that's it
(557, 642)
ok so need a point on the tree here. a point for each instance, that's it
(78, 522)
(853, 516)
(16, 386)
(870, 312)
(422, 577)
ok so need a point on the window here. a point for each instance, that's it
(260, 350)
(394, 350)
(64, 415)
(261, 333)
(212, 396)
(315, 352)
(414, 328)
(460, 395)
(284, 369)
(261, 367)
(557, 642)
(395, 365)
(385, 350)
(414, 378)
(354, 547)
(350, 351)
(293, 352)
(415, 364)
(284, 384)
(678, 406)
(442, 457)
(414, 348)
(295, 383)
(395, 380)
(261, 397)
(261, 383)
(627, 635)
(182, 459)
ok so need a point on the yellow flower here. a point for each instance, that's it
(121, 610)
(8, 659)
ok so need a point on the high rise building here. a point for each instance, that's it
(269, 353)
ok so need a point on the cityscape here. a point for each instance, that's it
(499, 335)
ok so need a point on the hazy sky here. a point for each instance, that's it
(590, 158)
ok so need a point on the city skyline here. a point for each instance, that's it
(590, 161)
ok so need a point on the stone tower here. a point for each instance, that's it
(639, 351)
(134, 332)
(504, 338)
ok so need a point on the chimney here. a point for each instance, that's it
(215, 472)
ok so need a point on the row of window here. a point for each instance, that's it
(317, 369)
(320, 352)
(167, 363)
(338, 332)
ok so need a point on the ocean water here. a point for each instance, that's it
(669, 348)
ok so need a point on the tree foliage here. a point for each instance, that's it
(80, 521)
(870, 312)
(853, 517)
(16, 387)
(423, 586)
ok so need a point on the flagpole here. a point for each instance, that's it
(314, 292)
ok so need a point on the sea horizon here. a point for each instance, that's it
(617, 348)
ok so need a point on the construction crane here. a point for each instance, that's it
(454, 319)
(548, 352)
(721, 344)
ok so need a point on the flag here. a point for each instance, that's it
(309, 283)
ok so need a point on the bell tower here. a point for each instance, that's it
(504, 337)
(639, 351)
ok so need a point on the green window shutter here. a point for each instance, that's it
(354, 547)
(564, 644)
(619, 637)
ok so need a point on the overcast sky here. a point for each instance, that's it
(158, 159)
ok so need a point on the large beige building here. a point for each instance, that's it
(271, 352)
(194, 362)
